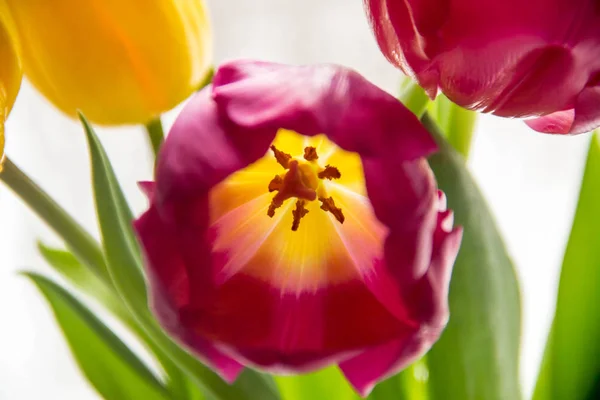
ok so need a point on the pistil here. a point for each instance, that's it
(303, 181)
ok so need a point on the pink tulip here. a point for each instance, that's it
(269, 244)
(535, 59)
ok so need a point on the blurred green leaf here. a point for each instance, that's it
(75, 237)
(69, 267)
(477, 357)
(108, 364)
(457, 124)
(571, 366)
(326, 384)
(410, 384)
(124, 265)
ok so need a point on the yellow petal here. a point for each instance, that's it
(119, 61)
(10, 69)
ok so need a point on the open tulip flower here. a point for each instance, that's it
(295, 223)
(537, 58)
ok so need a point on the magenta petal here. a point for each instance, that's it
(168, 279)
(329, 99)
(428, 299)
(584, 117)
(204, 148)
(367, 369)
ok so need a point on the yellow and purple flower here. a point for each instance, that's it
(295, 223)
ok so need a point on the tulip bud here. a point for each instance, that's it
(118, 61)
(534, 59)
(10, 70)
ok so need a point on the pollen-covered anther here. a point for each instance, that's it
(282, 158)
(330, 173)
(298, 214)
(310, 153)
(327, 204)
(276, 183)
(275, 204)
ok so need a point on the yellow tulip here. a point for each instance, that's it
(118, 61)
(10, 70)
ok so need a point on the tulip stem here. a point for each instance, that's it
(156, 135)
(76, 238)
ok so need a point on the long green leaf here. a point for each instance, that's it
(124, 265)
(69, 267)
(477, 357)
(571, 366)
(108, 364)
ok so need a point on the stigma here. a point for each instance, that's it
(303, 180)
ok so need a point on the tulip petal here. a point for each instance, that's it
(430, 294)
(584, 117)
(204, 148)
(325, 98)
(169, 278)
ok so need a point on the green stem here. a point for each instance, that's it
(156, 135)
(460, 129)
(414, 97)
(76, 238)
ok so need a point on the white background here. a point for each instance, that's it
(530, 180)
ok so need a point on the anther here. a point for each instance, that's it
(327, 204)
(298, 214)
(282, 158)
(310, 154)
(330, 173)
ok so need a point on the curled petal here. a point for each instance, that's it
(317, 99)
(583, 118)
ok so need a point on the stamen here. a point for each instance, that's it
(298, 214)
(276, 183)
(330, 173)
(310, 153)
(282, 158)
(275, 204)
(301, 180)
(327, 204)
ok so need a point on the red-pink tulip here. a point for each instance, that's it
(346, 261)
(512, 58)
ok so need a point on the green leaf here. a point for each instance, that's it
(477, 356)
(76, 238)
(571, 366)
(410, 384)
(69, 267)
(108, 364)
(124, 265)
(326, 384)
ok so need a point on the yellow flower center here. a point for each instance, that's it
(317, 251)
(303, 180)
